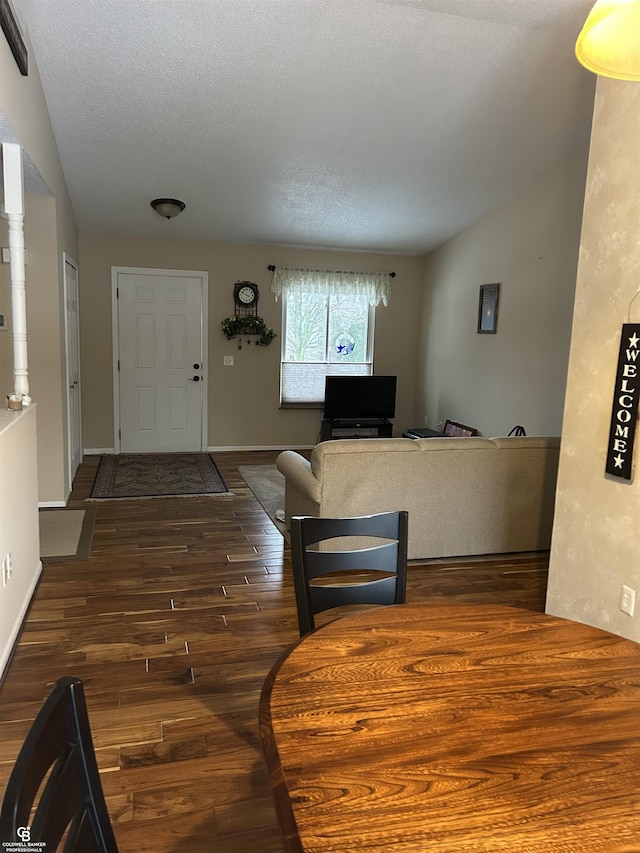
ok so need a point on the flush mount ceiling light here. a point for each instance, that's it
(168, 207)
(609, 41)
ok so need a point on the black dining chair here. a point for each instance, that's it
(54, 797)
(376, 543)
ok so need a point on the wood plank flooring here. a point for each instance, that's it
(173, 623)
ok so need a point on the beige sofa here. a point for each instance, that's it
(464, 495)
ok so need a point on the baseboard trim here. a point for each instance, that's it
(224, 448)
(99, 451)
(12, 641)
(50, 504)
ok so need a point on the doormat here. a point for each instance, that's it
(157, 475)
(65, 534)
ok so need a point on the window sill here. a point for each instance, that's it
(318, 405)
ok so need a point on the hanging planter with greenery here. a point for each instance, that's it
(233, 327)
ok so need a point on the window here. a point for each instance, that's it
(323, 335)
(328, 325)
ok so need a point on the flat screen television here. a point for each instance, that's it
(359, 398)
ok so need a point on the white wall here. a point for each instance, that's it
(517, 376)
(18, 521)
(596, 538)
(49, 230)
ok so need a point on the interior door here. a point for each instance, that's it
(160, 352)
(72, 343)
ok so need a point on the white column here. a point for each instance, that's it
(14, 211)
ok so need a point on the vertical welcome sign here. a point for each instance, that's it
(625, 404)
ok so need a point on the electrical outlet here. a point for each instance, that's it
(426, 420)
(628, 600)
(228, 361)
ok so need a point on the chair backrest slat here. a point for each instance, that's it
(381, 591)
(382, 558)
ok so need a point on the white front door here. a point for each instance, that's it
(160, 324)
(72, 343)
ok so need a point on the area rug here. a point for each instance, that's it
(65, 534)
(155, 475)
(267, 484)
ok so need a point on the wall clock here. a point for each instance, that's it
(245, 294)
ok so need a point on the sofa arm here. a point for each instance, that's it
(297, 472)
(303, 490)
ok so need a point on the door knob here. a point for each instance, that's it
(195, 378)
(196, 367)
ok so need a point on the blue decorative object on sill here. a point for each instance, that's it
(345, 345)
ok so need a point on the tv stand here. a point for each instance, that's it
(383, 428)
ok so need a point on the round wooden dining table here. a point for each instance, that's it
(455, 728)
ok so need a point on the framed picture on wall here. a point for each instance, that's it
(488, 309)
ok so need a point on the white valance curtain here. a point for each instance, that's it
(374, 286)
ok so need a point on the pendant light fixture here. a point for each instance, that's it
(609, 43)
(168, 207)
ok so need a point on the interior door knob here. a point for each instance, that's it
(196, 378)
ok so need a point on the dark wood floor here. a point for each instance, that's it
(173, 623)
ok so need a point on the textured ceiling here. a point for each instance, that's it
(385, 125)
